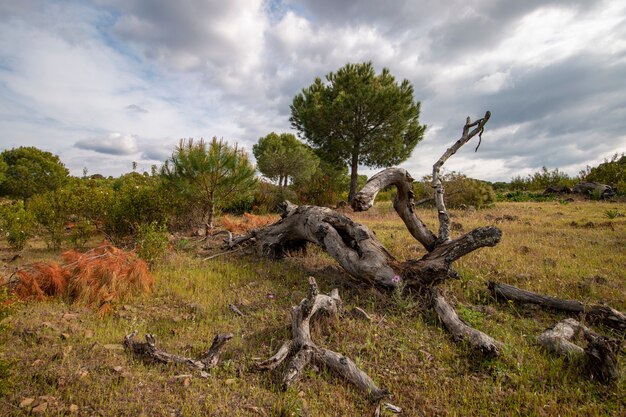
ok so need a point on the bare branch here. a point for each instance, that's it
(459, 329)
(444, 219)
(149, 351)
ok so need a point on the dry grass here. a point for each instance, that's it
(245, 223)
(71, 354)
(96, 278)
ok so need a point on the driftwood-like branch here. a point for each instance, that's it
(444, 220)
(149, 351)
(403, 203)
(303, 350)
(597, 313)
(600, 354)
(461, 330)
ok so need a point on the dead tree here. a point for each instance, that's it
(362, 255)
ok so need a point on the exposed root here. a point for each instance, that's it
(150, 352)
(303, 350)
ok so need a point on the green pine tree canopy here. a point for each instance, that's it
(358, 118)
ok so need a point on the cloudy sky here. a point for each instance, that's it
(102, 83)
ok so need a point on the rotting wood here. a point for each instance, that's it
(600, 354)
(303, 350)
(597, 313)
(149, 351)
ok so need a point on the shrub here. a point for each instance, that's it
(460, 191)
(152, 241)
(16, 224)
(541, 180)
(610, 172)
(138, 200)
(52, 211)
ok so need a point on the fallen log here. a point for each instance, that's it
(597, 313)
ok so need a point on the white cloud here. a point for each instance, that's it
(112, 144)
(550, 71)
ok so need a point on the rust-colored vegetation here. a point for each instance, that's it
(95, 278)
(245, 223)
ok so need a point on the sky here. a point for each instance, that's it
(103, 83)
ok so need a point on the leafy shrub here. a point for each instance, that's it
(152, 241)
(138, 200)
(16, 224)
(326, 186)
(267, 196)
(52, 211)
(96, 278)
(610, 172)
(525, 196)
(460, 191)
(541, 180)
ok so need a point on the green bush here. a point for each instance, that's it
(17, 225)
(326, 187)
(52, 211)
(460, 191)
(541, 180)
(152, 241)
(610, 172)
(138, 199)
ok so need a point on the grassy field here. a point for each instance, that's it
(71, 360)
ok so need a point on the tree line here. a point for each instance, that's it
(355, 117)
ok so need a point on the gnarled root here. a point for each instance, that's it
(149, 351)
(303, 350)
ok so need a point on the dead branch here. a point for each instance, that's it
(461, 330)
(303, 350)
(598, 313)
(600, 354)
(444, 219)
(149, 351)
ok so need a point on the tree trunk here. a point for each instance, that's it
(354, 174)
(210, 214)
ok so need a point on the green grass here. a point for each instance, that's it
(570, 251)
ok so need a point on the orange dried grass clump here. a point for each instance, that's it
(247, 222)
(95, 278)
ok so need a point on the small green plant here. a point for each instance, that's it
(613, 213)
(17, 225)
(81, 232)
(152, 241)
